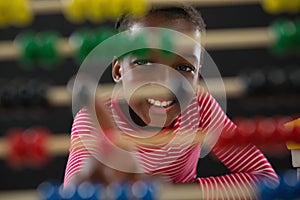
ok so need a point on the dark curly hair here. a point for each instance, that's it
(179, 10)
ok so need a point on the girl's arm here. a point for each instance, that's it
(247, 164)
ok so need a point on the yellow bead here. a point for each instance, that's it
(138, 7)
(272, 6)
(4, 5)
(95, 12)
(74, 10)
(20, 13)
(116, 8)
(292, 6)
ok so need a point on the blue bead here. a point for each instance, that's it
(268, 191)
(143, 190)
(119, 191)
(288, 185)
(297, 190)
(89, 191)
(48, 191)
(68, 193)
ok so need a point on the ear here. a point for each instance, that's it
(116, 70)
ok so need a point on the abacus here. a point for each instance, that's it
(46, 51)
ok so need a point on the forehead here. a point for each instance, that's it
(174, 21)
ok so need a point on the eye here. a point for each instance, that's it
(185, 68)
(142, 62)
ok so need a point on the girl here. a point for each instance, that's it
(247, 164)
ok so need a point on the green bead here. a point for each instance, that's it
(29, 49)
(167, 44)
(286, 37)
(48, 55)
(297, 37)
(84, 42)
(103, 34)
(140, 41)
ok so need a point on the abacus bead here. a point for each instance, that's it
(292, 6)
(297, 190)
(246, 130)
(103, 34)
(140, 40)
(297, 35)
(25, 95)
(67, 193)
(96, 13)
(17, 151)
(257, 82)
(8, 96)
(29, 48)
(287, 185)
(296, 134)
(74, 10)
(268, 191)
(89, 191)
(143, 191)
(167, 43)
(294, 79)
(36, 138)
(272, 6)
(83, 41)
(48, 191)
(123, 43)
(116, 8)
(4, 10)
(265, 129)
(137, 7)
(48, 54)
(283, 133)
(118, 191)
(277, 80)
(21, 15)
(285, 32)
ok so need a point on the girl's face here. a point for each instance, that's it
(154, 110)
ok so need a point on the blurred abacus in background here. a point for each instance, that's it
(255, 44)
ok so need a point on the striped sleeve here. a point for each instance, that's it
(80, 151)
(247, 164)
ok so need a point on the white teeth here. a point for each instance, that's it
(164, 103)
(159, 103)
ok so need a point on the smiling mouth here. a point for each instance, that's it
(160, 103)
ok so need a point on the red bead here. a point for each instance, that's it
(246, 130)
(265, 129)
(16, 148)
(28, 148)
(282, 132)
(36, 139)
(295, 136)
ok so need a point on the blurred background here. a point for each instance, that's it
(272, 73)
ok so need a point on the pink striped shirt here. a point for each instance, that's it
(178, 164)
